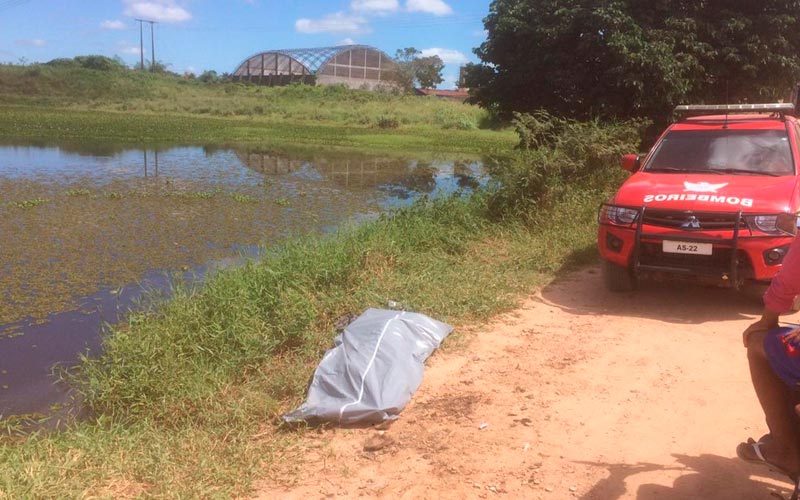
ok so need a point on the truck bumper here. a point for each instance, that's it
(737, 255)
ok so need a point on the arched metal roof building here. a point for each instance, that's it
(357, 66)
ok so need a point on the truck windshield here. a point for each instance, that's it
(765, 152)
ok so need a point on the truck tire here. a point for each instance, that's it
(618, 278)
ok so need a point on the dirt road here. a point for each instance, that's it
(578, 394)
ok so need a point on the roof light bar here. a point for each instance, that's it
(704, 109)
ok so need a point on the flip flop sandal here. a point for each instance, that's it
(745, 451)
(763, 439)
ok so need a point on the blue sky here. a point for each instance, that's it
(198, 35)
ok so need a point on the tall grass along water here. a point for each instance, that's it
(94, 225)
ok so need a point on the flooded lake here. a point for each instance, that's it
(84, 229)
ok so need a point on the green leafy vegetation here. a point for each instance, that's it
(414, 69)
(616, 60)
(93, 62)
(555, 155)
(34, 202)
(74, 237)
(70, 101)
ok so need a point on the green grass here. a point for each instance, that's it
(71, 103)
(35, 202)
(180, 393)
(23, 123)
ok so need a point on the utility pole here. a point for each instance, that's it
(152, 47)
(152, 43)
(141, 44)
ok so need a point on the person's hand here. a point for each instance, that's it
(762, 325)
(793, 336)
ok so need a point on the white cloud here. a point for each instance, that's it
(448, 56)
(163, 11)
(375, 6)
(435, 7)
(112, 25)
(449, 82)
(32, 42)
(126, 48)
(339, 22)
(346, 41)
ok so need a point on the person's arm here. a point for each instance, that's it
(786, 284)
(780, 295)
(768, 321)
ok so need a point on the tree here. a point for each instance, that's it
(209, 76)
(414, 70)
(99, 63)
(631, 58)
(428, 71)
(160, 67)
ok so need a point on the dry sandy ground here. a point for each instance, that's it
(580, 393)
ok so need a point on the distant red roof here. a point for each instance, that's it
(456, 95)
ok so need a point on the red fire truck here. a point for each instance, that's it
(715, 200)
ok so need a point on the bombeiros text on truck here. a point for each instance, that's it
(715, 200)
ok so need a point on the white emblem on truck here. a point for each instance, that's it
(703, 187)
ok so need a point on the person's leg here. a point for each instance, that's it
(776, 400)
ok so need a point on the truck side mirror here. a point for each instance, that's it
(631, 163)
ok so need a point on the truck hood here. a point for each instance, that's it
(714, 193)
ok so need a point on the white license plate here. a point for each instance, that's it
(687, 247)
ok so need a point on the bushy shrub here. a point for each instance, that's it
(61, 62)
(335, 91)
(387, 122)
(33, 70)
(99, 63)
(210, 76)
(554, 156)
(450, 118)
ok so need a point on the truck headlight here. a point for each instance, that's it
(785, 224)
(766, 223)
(618, 215)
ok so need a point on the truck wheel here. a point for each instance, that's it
(618, 278)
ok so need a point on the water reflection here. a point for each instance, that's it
(155, 161)
(402, 179)
(103, 164)
(80, 223)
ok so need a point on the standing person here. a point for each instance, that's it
(775, 372)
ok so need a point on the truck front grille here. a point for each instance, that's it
(693, 221)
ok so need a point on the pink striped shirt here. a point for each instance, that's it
(780, 295)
